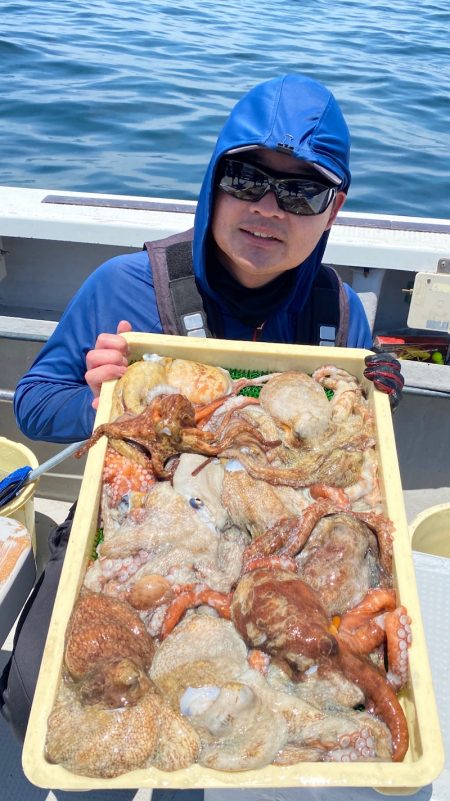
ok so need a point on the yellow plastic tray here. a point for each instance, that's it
(425, 758)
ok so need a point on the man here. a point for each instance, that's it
(277, 178)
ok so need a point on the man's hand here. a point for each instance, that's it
(108, 360)
(385, 372)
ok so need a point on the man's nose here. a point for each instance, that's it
(268, 205)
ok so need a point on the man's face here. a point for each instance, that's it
(257, 241)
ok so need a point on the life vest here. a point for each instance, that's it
(322, 321)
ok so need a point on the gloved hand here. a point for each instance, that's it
(385, 372)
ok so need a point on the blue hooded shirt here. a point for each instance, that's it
(299, 116)
(292, 114)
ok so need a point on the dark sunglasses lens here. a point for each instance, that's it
(304, 197)
(243, 180)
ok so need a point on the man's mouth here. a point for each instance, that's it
(261, 235)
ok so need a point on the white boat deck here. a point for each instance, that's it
(14, 785)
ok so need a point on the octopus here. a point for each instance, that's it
(113, 720)
(171, 537)
(201, 383)
(167, 427)
(289, 536)
(305, 412)
(202, 650)
(322, 442)
(255, 505)
(244, 723)
(280, 614)
(101, 627)
(341, 561)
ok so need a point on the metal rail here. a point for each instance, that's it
(8, 394)
(113, 203)
(354, 220)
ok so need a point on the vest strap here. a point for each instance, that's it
(344, 310)
(179, 302)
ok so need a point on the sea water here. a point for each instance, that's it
(128, 97)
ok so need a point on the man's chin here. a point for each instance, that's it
(253, 276)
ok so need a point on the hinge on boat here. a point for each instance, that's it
(443, 266)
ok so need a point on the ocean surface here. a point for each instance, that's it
(128, 97)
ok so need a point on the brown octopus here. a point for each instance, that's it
(280, 614)
(289, 536)
(167, 427)
(102, 627)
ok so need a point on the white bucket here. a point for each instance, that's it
(430, 531)
(12, 456)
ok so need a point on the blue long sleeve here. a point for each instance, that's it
(52, 401)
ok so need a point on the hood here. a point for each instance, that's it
(296, 115)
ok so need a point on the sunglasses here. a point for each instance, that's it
(297, 195)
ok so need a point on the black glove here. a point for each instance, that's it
(385, 372)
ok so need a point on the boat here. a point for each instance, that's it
(51, 241)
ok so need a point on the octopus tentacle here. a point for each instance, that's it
(204, 412)
(382, 699)
(196, 595)
(344, 465)
(364, 639)
(336, 494)
(383, 528)
(280, 562)
(374, 602)
(288, 536)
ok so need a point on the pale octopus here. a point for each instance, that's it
(244, 723)
(202, 384)
(324, 443)
(172, 537)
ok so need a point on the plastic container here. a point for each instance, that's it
(12, 456)
(17, 572)
(430, 531)
(425, 758)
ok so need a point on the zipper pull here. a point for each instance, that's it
(258, 332)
